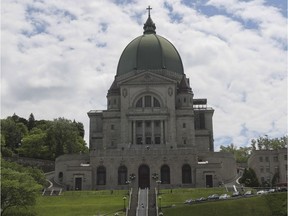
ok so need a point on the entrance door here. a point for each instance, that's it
(209, 181)
(78, 183)
(144, 176)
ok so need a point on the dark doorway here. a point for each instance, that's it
(122, 175)
(186, 174)
(165, 174)
(144, 176)
(209, 181)
(78, 183)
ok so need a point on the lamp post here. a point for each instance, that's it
(160, 198)
(158, 186)
(128, 183)
(124, 203)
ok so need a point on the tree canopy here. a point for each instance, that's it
(19, 185)
(249, 178)
(42, 139)
(266, 143)
(242, 154)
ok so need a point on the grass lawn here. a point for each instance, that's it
(266, 205)
(78, 203)
(89, 203)
(82, 203)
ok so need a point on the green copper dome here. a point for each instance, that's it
(150, 51)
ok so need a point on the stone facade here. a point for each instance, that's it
(267, 163)
(153, 130)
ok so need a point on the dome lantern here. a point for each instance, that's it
(149, 27)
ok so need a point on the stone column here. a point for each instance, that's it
(162, 135)
(152, 132)
(143, 132)
(134, 131)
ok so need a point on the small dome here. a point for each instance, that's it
(150, 51)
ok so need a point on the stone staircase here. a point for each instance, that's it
(134, 203)
(151, 203)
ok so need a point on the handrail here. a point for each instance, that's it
(147, 199)
(137, 209)
(129, 203)
(156, 202)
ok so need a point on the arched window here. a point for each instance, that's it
(139, 103)
(165, 174)
(147, 101)
(101, 175)
(186, 174)
(156, 103)
(122, 175)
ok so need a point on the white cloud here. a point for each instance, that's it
(60, 58)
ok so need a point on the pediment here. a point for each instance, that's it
(147, 78)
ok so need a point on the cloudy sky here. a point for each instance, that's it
(58, 58)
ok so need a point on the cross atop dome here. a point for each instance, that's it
(149, 8)
(149, 26)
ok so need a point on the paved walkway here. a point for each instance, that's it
(142, 208)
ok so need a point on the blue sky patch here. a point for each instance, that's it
(103, 27)
(122, 2)
(175, 17)
(280, 4)
(224, 140)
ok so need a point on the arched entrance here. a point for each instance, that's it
(144, 176)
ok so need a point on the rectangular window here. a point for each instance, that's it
(202, 120)
(184, 141)
(157, 140)
(285, 157)
(184, 125)
(267, 169)
(139, 124)
(199, 120)
(148, 140)
(157, 123)
(261, 159)
(261, 169)
(267, 159)
(139, 140)
(112, 127)
(275, 158)
(148, 124)
(276, 169)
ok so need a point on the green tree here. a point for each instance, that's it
(5, 152)
(266, 143)
(241, 154)
(34, 145)
(44, 139)
(63, 138)
(18, 189)
(31, 122)
(13, 132)
(80, 128)
(249, 178)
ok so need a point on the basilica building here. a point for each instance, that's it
(153, 132)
